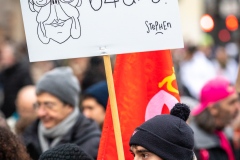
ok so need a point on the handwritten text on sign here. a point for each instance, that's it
(60, 29)
(125, 2)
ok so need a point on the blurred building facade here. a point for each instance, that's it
(190, 13)
(11, 24)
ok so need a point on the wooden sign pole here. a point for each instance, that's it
(114, 109)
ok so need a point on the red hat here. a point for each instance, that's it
(212, 92)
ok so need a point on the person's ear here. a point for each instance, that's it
(213, 109)
(69, 107)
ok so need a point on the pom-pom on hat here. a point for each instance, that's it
(65, 152)
(167, 136)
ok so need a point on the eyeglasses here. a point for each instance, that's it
(46, 105)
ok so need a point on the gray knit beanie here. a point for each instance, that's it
(61, 83)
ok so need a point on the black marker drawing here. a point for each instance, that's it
(97, 4)
(158, 27)
(57, 19)
(129, 4)
(155, 1)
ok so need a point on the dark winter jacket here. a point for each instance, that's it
(85, 133)
(208, 144)
(12, 80)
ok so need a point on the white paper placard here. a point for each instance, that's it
(62, 29)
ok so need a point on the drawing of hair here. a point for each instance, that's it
(57, 19)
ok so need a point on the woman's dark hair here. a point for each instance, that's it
(11, 147)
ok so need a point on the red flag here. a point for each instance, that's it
(145, 86)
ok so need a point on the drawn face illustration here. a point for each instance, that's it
(57, 19)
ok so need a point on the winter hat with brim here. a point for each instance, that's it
(62, 83)
(65, 152)
(213, 91)
(167, 136)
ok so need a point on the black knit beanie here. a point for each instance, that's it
(167, 136)
(65, 152)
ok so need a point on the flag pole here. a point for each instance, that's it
(114, 109)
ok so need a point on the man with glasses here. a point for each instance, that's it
(59, 118)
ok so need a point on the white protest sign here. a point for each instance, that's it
(61, 29)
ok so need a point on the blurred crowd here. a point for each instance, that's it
(51, 103)
(196, 64)
(30, 92)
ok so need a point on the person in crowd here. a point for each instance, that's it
(3, 122)
(38, 69)
(206, 45)
(164, 137)
(236, 134)
(14, 75)
(11, 148)
(95, 72)
(94, 102)
(225, 65)
(65, 152)
(25, 100)
(60, 121)
(195, 70)
(79, 67)
(219, 105)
